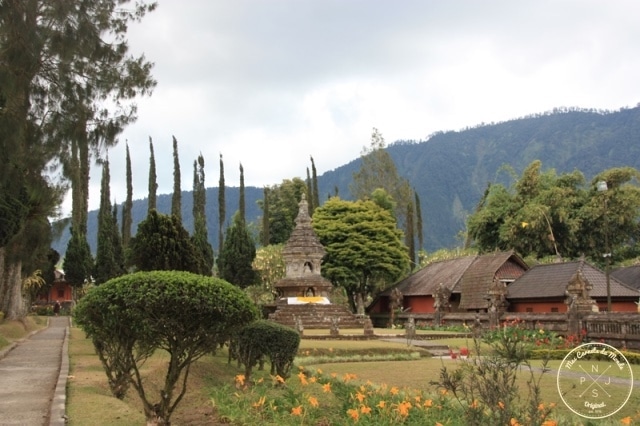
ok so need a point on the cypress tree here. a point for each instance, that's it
(221, 206)
(176, 199)
(310, 206)
(106, 265)
(409, 235)
(153, 184)
(237, 255)
(265, 218)
(200, 238)
(127, 214)
(314, 180)
(419, 227)
(241, 205)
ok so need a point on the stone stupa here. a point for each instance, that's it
(303, 295)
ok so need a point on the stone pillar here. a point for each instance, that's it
(579, 302)
(440, 303)
(368, 326)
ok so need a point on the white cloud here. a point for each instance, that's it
(268, 83)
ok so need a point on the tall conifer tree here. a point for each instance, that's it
(241, 203)
(409, 235)
(265, 235)
(221, 206)
(419, 227)
(153, 179)
(106, 266)
(200, 238)
(310, 206)
(127, 213)
(176, 199)
(314, 181)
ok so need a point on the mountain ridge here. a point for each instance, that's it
(450, 170)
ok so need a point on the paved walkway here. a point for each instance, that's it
(33, 377)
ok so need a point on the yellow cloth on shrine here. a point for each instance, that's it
(311, 299)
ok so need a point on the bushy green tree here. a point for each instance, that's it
(185, 315)
(162, 243)
(545, 214)
(365, 249)
(266, 339)
(238, 252)
(282, 208)
(78, 262)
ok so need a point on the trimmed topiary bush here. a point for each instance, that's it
(267, 339)
(128, 318)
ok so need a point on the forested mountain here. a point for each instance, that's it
(450, 170)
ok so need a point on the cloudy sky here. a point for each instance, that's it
(269, 83)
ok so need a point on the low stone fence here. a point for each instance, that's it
(619, 329)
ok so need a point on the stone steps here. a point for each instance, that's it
(315, 316)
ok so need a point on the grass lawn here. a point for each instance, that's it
(90, 402)
(10, 331)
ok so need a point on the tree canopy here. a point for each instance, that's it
(365, 249)
(68, 82)
(162, 243)
(545, 214)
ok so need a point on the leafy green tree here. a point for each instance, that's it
(282, 204)
(153, 179)
(200, 238)
(364, 248)
(176, 198)
(544, 214)
(184, 315)
(127, 208)
(109, 262)
(162, 243)
(379, 171)
(269, 265)
(237, 255)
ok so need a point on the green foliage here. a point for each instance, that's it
(186, 315)
(161, 243)
(267, 339)
(153, 180)
(269, 265)
(109, 257)
(200, 238)
(379, 171)
(485, 386)
(78, 262)
(237, 255)
(545, 214)
(176, 197)
(364, 248)
(282, 208)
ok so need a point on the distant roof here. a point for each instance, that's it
(477, 279)
(550, 280)
(467, 273)
(629, 275)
